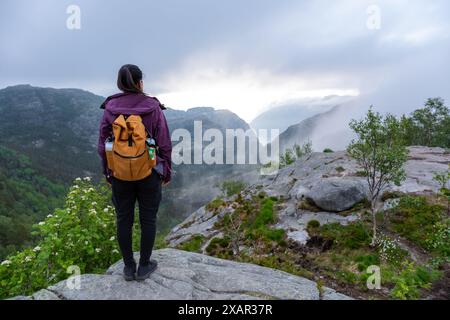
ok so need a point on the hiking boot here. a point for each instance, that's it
(144, 271)
(129, 272)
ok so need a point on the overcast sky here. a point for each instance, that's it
(243, 55)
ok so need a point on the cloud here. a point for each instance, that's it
(240, 55)
(246, 92)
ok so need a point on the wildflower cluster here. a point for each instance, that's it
(390, 251)
(82, 234)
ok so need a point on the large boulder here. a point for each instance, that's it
(337, 194)
(191, 276)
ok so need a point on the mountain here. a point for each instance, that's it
(282, 116)
(325, 130)
(311, 220)
(211, 118)
(57, 129)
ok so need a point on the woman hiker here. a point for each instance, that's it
(135, 148)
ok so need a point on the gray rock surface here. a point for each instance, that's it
(422, 163)
(200, 222)
(186, 275)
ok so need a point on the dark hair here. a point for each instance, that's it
(128, 78)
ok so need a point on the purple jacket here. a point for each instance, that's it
(150, 109)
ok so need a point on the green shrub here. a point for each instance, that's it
(364, 261)
(232, 187)
(438, 240)
(352, 236)
(218, 245)
(313, 224)
(266, 215)
(390, 251)
(160, 241)
(296, 152)
(276, 235)
(327, 150)
(194, 244)
(81, 234)
(215, 204)
(409, 282)
(347, 277)
(416, 220)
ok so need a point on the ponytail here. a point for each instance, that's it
(128, 78)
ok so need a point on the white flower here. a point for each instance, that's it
(106, 210)
(115, 251)
(76, 187)
(36, 249)
(78, 179)
(56, 253)
(86, 242)
(27, 259)
(94, 203)
(41, 223)
(6, 263)
(112, 238)
(49, 216)
(87, 179)
(98, 250)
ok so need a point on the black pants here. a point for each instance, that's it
(124, 195)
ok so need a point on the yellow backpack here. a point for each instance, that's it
(129, 158)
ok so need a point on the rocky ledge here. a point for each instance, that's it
(184, 275)
(327, 187)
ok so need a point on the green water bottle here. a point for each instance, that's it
(151, 144)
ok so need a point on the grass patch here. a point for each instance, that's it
(415, 219)
(352, 236)
(194, 244)
(215, 204)
(312, 226)
(160, 241)
(266, 215)
(281, 262)
(220, 247)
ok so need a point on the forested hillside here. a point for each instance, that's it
(57, 129)
(26, 197)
